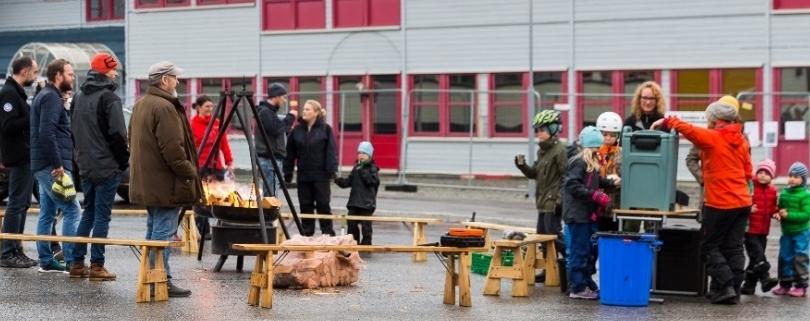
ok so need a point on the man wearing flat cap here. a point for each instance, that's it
(163, 161)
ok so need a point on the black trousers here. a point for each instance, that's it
(758, 265)
(722, 246)
(360, 230)
(551, 223)
(313, 197)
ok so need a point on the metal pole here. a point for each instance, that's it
(254, 163)
(472, 119)
(342, 125)
(405, 125)
(530, 90)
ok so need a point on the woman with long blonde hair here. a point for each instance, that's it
(311, 147)
(648, 105)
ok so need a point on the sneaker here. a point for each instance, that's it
(14, 262)
(768, 284)
(586, 294)
(78, 270)
(725, 296)
(31, 262)
(99, 273)
(59, 256)
(53, 267)
(177, 292)
(798, 292)
(782, 290)
(748, 288)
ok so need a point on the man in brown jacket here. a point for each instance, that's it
(163, 174)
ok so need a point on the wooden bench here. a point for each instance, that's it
(146, 275)
(498, 227)
(456, 276)
(418, 226)
(190, 237)
(522, 270)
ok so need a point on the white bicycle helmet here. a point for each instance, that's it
(609, 122)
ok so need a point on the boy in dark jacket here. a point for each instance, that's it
(759, 224)
(364, 181)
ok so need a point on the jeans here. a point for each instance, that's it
(312, 196)
(48, 205)
(267, 168)
(793, 259)
(98, 202)
(161, 225)
(722, 246)
(20, 185)
(580, 256)
(360, 230)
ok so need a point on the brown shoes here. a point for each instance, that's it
(99, 273)
(78, 270)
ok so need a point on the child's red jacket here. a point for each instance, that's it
(765, 199)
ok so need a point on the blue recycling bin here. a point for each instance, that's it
(625, 268)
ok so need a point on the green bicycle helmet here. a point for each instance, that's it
(550, 119)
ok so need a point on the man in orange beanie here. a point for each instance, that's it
(97, 122)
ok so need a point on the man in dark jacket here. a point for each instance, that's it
(14, 146)
(51, 158)
(275, 129)
(97, 120)
(364, 181)
(163, 170)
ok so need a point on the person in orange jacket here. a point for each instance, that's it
(727, 172)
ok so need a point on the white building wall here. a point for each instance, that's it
(790, 40)
(23, 15)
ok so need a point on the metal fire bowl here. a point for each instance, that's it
(243, 214)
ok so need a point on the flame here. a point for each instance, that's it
(229, 193)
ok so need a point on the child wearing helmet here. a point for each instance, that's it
(727, 172)
(610, 157)
(548, 172)
(583, 200)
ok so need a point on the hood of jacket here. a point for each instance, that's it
(96, 81)
(732, 133)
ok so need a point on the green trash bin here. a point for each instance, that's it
(649, 169)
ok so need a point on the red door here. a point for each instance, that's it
(791, 108)
(371, 114)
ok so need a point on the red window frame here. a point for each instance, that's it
(617, 102)
(302, 14)
(365, 13)
(444, 104)
(107, 10)
(160, 4)
(295, 87)
(222, 2)
(791, 4)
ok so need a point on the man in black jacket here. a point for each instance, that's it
(276, 129)
(100, 135)
(14, 146)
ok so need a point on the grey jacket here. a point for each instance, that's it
(693, 164)
(100, 135)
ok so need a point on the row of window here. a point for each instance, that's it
(447, 104)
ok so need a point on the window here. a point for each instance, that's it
(101, 10)
(612, 90)
(791, 4)
(693, 90)
(507, 101)
(293, 14)
(143, 4)
(442, 105)
(365, 13)
(385, 102)
(212, 87)
(793, 97)
(183, 93)
(210, 2)
(551, 86)
(301, 89)
(350, 104)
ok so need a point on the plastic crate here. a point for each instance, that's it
(481, 261)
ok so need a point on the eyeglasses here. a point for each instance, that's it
(648, 98)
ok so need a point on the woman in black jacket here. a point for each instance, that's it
(311, 146)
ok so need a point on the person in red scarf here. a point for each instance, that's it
(610, 155)
(217, 169)
(727, 172)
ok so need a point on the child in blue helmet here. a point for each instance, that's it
(583, 200)
(364, 181)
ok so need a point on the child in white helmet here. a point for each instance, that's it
(610, 157)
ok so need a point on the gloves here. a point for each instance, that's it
(520, 160)
(600, 198)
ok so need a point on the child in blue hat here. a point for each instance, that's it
(364, 181)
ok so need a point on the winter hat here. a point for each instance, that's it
(365, 148)
(590, 137)
(799, 169)
(276, 89)
(726, 108)
(103, 63)
(768, 166)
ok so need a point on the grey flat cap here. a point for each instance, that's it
(163, 68)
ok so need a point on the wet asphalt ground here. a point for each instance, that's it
(391, 287)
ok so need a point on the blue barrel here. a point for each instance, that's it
(625, 268)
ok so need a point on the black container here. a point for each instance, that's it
(243, 214)
(224, 235)
(460, 241)
(680, 268)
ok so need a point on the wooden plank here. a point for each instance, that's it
(505, 272)
(367, 218)
(142, 290)
(520, 286)
(492, 286)
(689, 212)
(450, 281)
(419, 238)
(500, 227)
(532, 239)
(356, 248)
(161, 288)
(464, 294)
(90, 240)
(267, 289)
(256, 280)
(552, 268)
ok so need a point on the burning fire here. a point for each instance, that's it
(228, 193)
